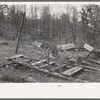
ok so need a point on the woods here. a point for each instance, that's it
(42, 23)
(61, 40)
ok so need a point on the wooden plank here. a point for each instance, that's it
(72, 71)
(56, 68)
(47, 64)
(88, 67)
(88, 47)
(16, 56)
(85, 62)
(66, 46)
(94, 61)
(27, 60)
(58, 75)
(39, 62)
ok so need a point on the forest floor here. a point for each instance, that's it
(32, 51)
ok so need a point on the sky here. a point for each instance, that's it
(55, 6)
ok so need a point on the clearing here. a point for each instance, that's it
(29, 49)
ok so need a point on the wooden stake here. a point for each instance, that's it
(77, 57)
(48, 57)
(19, 35)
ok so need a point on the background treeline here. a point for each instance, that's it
(72, 25)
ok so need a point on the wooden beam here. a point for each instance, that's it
(72, 71)
(19, 35)
(50, 63)
(85, 62)
(66, 46)
(27, 60)
(94, 61)
(88, 47)
(56, 68)
(58, 75)
(16, 56)
(88, 67)
(33, 64)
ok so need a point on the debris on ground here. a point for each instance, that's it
(27, 57)
(66, 46)
(3, 43)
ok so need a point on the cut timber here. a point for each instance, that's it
(47, 72)
(88, 67)
(47, 64)
(88, 47)
(85, 62)
(56, 68)
(94, 61)
(16, 56)
(20, 31)
(72, 71)
(66, 46)
(38, 62)
(27, 60)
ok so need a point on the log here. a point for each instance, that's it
(84, 62)
(88, 67)
(39, 62)
(16, 56)
(27, 60)
(94, 61)
(58, 75)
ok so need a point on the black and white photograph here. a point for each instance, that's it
(50, 42)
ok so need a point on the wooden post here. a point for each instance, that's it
(19, 35)
(48, 57)
(77, 47)
(43, 43)
(77, 58)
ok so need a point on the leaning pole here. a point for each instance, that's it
(19, 35)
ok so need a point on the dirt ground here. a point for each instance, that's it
(10, 74)
(15, 75)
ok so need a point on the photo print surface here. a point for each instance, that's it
(49, 42)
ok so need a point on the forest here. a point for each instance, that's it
(42, 42)
(42, 23)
